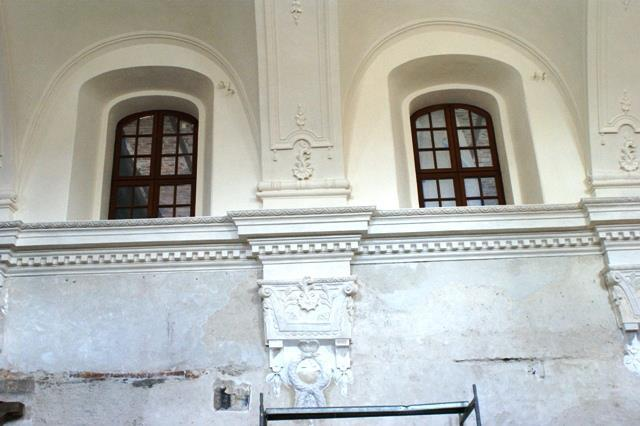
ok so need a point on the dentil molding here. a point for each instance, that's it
(361, 234)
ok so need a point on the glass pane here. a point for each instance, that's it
(183, 211)
(491, 202)
(143, 166)
(431, 204)
(464, 138)
(474, 202)
(426, 160)
(169, 144)
(489, 187)
(471, 187)
(170, 124)
(422, 122)
(424, 140)
(168, 166)
(429, 189)
(183, 195)
(462, 118)
(186, 127)
(128, 146)
(144, 146)
(123, 196)
(478, 120)
(141, 195)
(126, 167)
(165, 212)
(186, 145)
(130, 128)
(146, 125)
(122, 213)
(184, 165)
(481, 136)
(139, 213)
(446, 188)
(440, 139)
(443, 160)
(437, 118)
(484, 158)
(448, 203)
(166, 194)
(468, 158)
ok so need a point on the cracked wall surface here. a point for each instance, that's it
(537, 335)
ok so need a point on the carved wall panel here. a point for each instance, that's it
(307, 328)
(614, 97)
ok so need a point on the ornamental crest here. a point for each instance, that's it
(308, 332)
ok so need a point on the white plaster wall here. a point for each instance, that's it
(556, 27)
(63, 330)
(43, 35)
(537, 335)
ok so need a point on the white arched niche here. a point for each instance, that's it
(492, 86)
(541, 153)
(66, 158)
(105, 100)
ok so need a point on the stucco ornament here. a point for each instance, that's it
(309, 377)
(632, 355)
(300, 118)
(302, 169)
(296, 10)
(624, 290)
(308, 332)
(628, 160)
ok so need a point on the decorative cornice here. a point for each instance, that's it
(307, 245)
(527, 208)
(620, 234)
(302, 211)
(197, 220)
(354, 232)
(416, 249)
(296, 185)
(323, 280)
(128, 259)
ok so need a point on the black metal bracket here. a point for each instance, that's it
(10, 411)
(462, 408)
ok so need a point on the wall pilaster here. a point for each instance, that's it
(615, 222)
(614, 98)
(300, 126)
(8, 204)
(308, 294)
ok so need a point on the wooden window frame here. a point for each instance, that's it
(456, 171)
(155, 179)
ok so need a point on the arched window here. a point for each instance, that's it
(455, 157)
(154, 166)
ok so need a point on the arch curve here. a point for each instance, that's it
(424, 55)
(127, 64)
